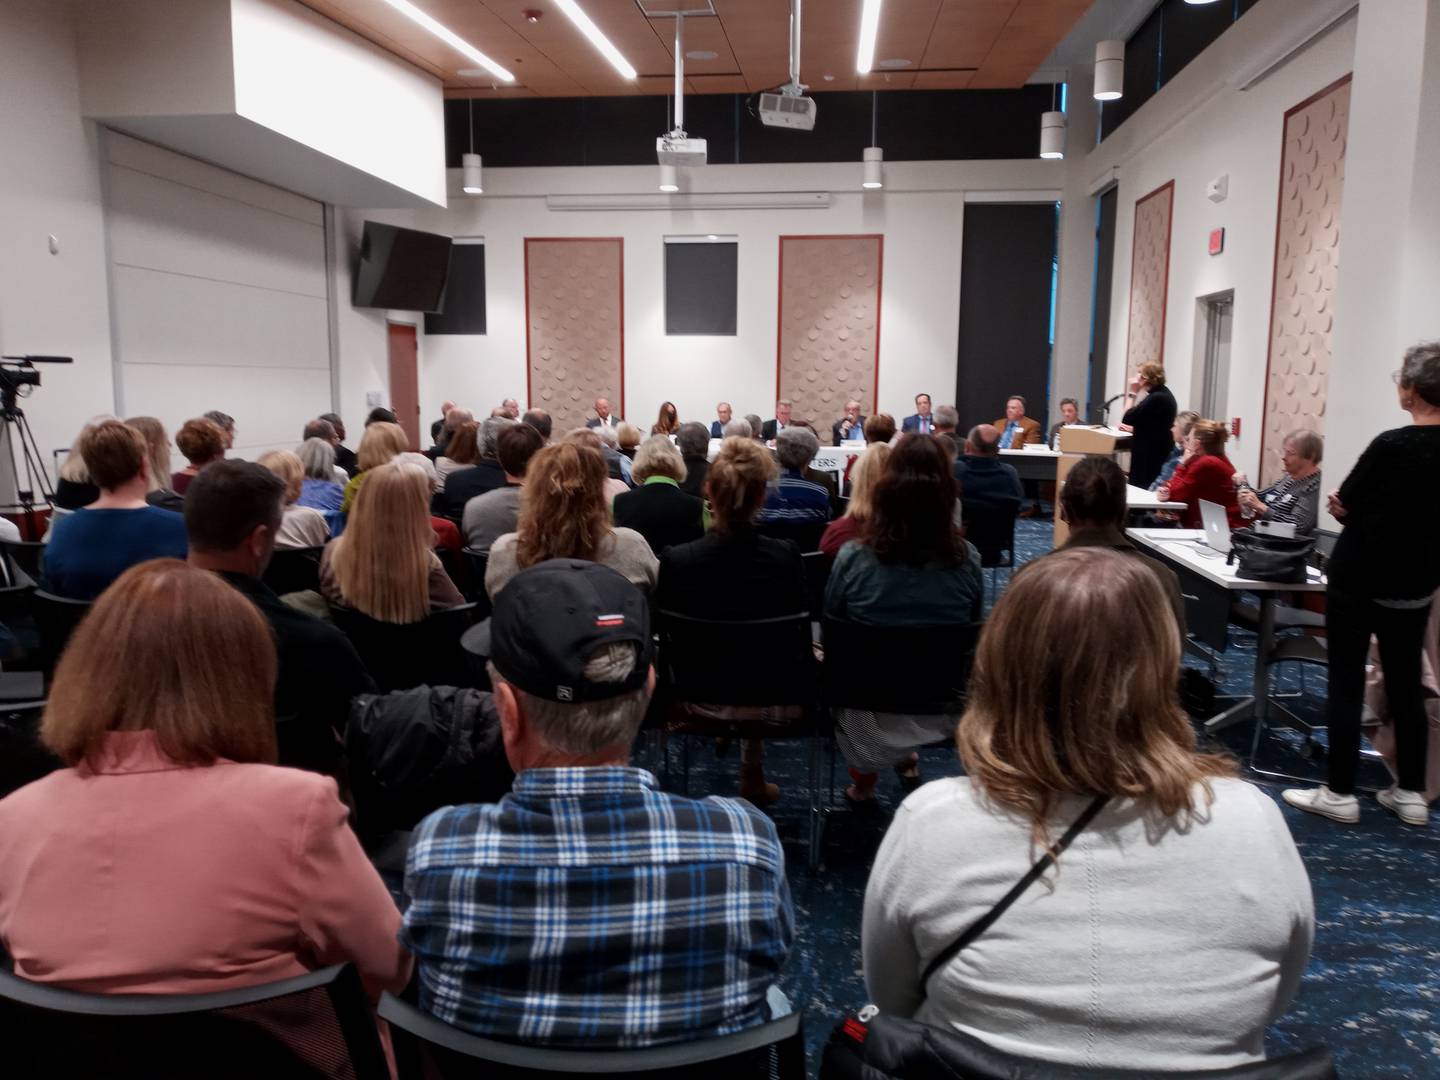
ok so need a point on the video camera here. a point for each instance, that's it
(18, 371)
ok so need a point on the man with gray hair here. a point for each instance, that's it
(738, 428)
(694, 443)
(796, 508)
(588, 908)
(947, 419)
(771, 428)
(722, 418)
(487, 474)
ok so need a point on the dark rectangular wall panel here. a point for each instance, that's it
(463, 310)
(700, 287)
(1005, 293)
(1109, 205)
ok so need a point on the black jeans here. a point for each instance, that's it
(1349, 622)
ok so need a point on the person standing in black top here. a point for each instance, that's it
(1384, 570)
(1148, 422)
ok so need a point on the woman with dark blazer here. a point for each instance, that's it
(1204, 474)
(1148, 422)
(733, 572)
(657, 509)
(1382, 575)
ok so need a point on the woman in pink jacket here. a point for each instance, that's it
(172, 856)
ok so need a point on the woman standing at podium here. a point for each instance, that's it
(1385, 567)
(1148, 422)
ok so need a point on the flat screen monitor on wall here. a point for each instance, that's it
(401, 268)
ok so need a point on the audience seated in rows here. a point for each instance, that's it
(495, 513)
(1204, 474)
(1179, 431)
(226, 423)
(1294, 499)
(564, 515)
(93, 546)
(739, 428)
(628, 438)
(824, 477)
(693, 442)
(867, 470)
(540, 420)
(301, 526)
(985, 480)
(201, 441)
(233, 516)
(669, 923)
(344, 457)
(616, 465)
(796, 506)
(909, 566)
(157, 454)
(757, 429)
(462, 449)
(319, 488)
(734, 573)
(657, 509)
(1173, 929)
(385, 565)
(171, 855)
(1093, 502)
(486, 474)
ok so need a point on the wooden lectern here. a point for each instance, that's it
(1075, 442)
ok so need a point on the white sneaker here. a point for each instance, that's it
(1409, 806)
(1321, 800)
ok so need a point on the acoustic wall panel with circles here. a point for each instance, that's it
(1149, 279)
(829, 334)
(1307, 262)
(575, 327)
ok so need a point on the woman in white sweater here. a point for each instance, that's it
(1172, 930)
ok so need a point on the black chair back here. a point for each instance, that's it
(400, 656)
(991, 528)
(22, 756)
(916, 670)
(294, 570)
(28, 556)
(307, 1028)
(737, 662)
(817, 576)
(805, 537)
(56, 617)
(429, 1049)
(476, 562)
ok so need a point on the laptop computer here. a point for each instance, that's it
(1217, 527)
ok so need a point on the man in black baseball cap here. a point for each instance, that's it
(587, 908)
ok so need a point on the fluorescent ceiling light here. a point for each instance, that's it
(454, 40)
(599, 40)
(869, 28)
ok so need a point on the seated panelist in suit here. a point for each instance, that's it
(1069, 414)
(770, 428)
(920, 420)
(722, 417)
(1016, 429)
(603, 417)
(849, 426)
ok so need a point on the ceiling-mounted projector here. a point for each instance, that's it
(787, 110)
(678, 149)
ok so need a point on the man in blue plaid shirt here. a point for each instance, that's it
(588, 908)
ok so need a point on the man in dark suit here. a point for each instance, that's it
(984, 479)
(920, 420)
(771, 428)
(603, 417)
(849, 426)
(722, 417)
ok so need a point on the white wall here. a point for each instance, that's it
(50, 186)
(920, 213)
(1197, 128)
(220, 296)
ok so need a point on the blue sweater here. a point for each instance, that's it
(91, 548)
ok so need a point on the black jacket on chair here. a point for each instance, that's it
(659, 511)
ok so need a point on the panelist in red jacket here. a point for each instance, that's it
(1204, 473)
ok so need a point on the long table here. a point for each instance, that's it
(1209, 584)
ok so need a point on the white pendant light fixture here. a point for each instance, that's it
(470, 178)
(869, 30)
(1109, 70)
(669, 178)
(1052, 131)
(873, 157)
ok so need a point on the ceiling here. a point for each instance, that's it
(933, 44)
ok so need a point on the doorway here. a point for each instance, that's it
(1210, 383)
(405, 379)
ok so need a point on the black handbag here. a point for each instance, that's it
(1265, 557)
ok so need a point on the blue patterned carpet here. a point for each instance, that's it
(1372, 991)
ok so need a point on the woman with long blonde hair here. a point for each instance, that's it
(1177, 923)
(381, 444)
(563, 515)
(868, 467)
(385, 564)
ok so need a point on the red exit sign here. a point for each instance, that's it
(1217, 241)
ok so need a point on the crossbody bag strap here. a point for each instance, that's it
(980, 925)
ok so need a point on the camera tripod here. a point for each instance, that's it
(12, 420)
